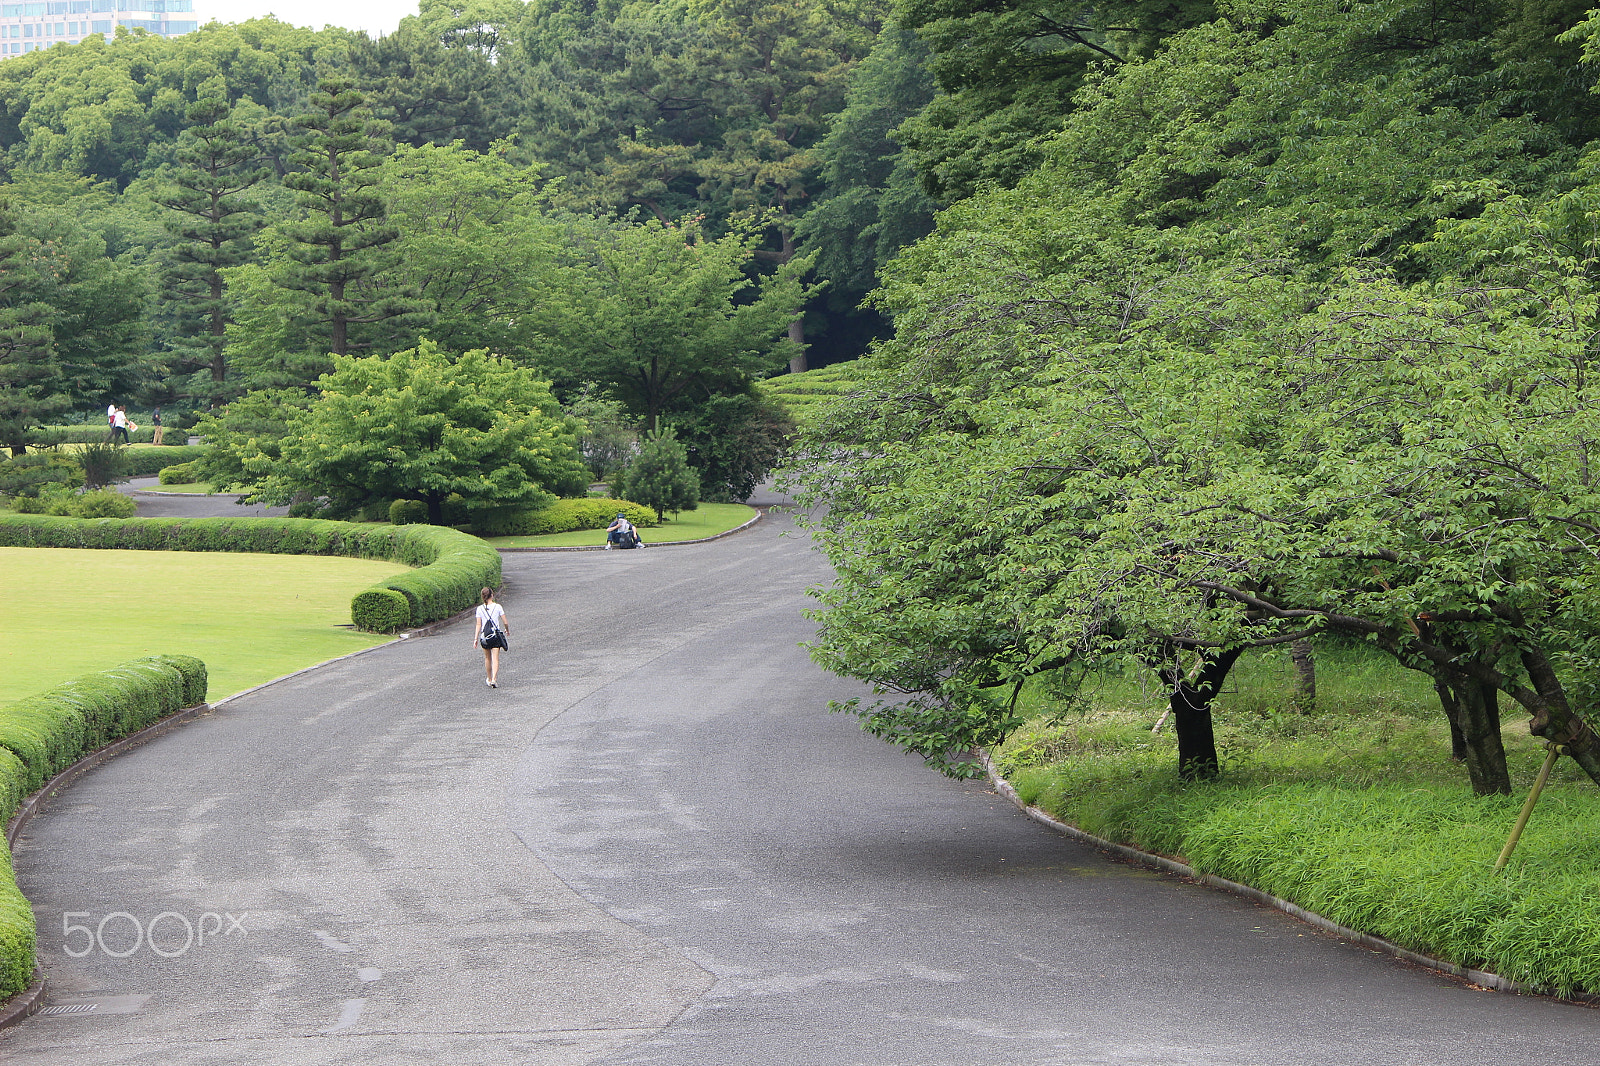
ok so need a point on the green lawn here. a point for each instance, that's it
(194, 488)
(1351, 808)
(251, 617)
(707, 520)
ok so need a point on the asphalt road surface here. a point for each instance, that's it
(653, 845)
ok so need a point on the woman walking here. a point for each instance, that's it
(490, 636)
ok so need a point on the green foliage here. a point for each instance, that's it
(664, 316)
(17, 930)
(805, 395)
(733, 442)
(214, 164)
(660, 476)
(407, 512)
(380, 610)
(69, 319)
(101, 463)
(338, 255)
(179, 474)
(104, 503)
(605, 438)
(30, 474)
(254, 425)
(564, 516)
(452, 566)
(142, 462)
(426, 426)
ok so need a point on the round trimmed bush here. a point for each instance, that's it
(408, 513)
(380, 610)
(179, 474)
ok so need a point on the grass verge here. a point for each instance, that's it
(251, 617)
(1354, 812)
(707, 520)
(195, 488)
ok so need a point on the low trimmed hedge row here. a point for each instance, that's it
(564, 516)
(452, 566)
(92, 434)
(143, 462)
(42, 735)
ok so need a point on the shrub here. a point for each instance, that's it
(106, 503)
(29, 475)
(564, 516)
(408, 512)
(380, 610)
(17, 932)
(660, 477)
(179, 474)
(102, 464)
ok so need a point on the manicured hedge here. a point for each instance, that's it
(174, 437)
(408, 512)
(564, 516)
(143, 462)
(179, 474)
(452, 566)
(42, 735)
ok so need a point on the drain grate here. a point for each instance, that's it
(70, 1008)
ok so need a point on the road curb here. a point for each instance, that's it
(664, 544)
(1482, 978)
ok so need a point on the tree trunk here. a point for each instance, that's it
(797, 334)
(435, 511)
(1191, 714)
(1305, 676)
(1554, 720)
(1473, 708)
(1447, 700)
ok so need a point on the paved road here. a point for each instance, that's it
(651, 845)
(188, 505)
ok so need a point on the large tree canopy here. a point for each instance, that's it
(422, 425)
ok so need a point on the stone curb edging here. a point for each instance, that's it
(30, 1001)
(1482, 978)
(25, 1004)
(664, 544)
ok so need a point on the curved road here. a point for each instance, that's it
(652, 845)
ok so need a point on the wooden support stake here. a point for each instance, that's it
(1527, 808)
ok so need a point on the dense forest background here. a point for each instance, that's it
(182, 220)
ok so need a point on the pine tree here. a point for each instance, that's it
(661, 477)
(29, 369)
(340, 248)
(215, 156)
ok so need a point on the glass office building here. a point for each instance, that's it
(30, 27)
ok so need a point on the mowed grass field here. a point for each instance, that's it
(251, 617)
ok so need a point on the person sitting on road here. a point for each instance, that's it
(621, 534)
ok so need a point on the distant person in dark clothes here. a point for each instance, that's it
(621, 534)
(490, 635)
(155, 422)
